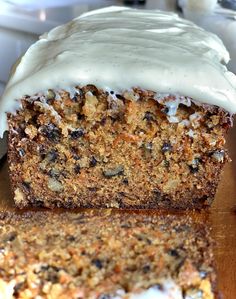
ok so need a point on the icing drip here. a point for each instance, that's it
(169, 290)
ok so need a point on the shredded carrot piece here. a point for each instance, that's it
(126, 137)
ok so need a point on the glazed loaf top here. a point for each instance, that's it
(118, 48)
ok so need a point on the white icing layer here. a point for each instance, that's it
(169, 290)
(118, 48)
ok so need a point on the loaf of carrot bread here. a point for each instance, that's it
(105, 255)
(119, 108)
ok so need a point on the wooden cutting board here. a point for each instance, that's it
(222, 219)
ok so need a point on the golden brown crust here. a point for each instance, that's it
(96, 149)
(93, 254)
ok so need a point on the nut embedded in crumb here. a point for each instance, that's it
(31, 131)
(19, 197)
(55, 185)
(90, 105)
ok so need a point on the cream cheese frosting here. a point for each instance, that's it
(166, 289)
(169, 290)
(119, 48)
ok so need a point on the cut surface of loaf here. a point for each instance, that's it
(97, 255)
(138, 149)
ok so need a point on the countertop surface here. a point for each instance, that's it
(221, 216)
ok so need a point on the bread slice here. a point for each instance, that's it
(138, 149)
(101, 255)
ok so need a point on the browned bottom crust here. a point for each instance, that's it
(98, 254)
(98, 149)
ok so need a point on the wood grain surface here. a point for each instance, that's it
(221, 217)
